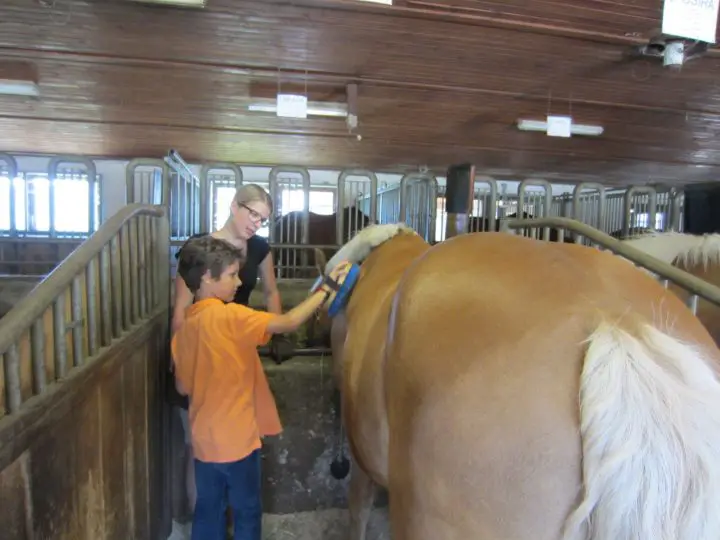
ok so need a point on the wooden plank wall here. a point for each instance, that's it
(86, 460)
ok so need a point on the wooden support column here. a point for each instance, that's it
(460, 181)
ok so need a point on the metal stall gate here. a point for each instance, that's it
(8, 170)
(147, 181)
(218, 184)
(185, 198)
(37, 227)
(418, 203)
(356, 203)
(290, 229)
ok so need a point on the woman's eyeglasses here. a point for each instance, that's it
(255, 216)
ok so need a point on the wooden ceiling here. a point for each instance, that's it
(439, 82)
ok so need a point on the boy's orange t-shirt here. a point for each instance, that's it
(217, 364)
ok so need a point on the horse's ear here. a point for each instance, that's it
(320, 261)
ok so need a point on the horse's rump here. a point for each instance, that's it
(482, 380)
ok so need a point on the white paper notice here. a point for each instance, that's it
(559, 126)
(691, 19)
(292, 106)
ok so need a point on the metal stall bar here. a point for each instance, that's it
(547, 202)
(487, 202)
(430, 198)
(580, 206)
(628, 207)
(206, 190)
(154, 194)
(91, 172)
(342, 183)
(275, 194)
(187, 206)
(12, 171)
(666, 271)
(677, 200)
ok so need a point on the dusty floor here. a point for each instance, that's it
(316, 525)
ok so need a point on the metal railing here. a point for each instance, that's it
(116, 279)
(665, 271)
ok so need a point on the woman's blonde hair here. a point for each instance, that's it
(250, 193)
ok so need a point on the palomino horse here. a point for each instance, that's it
(698, 255)
(493, 407)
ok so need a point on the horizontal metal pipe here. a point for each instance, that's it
(693, 284)
(309, 351)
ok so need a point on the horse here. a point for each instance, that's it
(698, 255)
(491, 407)
(321, 231)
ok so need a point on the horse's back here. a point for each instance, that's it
(482, 376)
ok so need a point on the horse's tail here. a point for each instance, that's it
(650, 424)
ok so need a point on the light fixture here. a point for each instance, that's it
(386, 2)
(10, 87)
(575, 129)
(335, 110)
(18, 78)
(177, 3)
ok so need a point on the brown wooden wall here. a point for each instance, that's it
(86, 460)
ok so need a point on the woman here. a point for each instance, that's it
(250, 210)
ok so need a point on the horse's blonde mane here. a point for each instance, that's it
(689, 249)
(360, 246)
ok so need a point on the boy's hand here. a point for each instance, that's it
(339, 273)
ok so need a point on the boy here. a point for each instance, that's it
(218, 367)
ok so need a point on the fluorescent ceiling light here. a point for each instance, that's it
(335, 110)
(181, 3)
(575, 129)
(10, 87)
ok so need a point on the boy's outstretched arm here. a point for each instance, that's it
(293, 319)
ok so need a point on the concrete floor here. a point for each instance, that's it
(329, 524)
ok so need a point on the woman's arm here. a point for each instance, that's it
(267, 275)
(183, 298)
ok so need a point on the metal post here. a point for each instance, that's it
(11, 166)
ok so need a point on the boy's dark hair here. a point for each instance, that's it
(200, 254)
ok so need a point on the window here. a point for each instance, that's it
(32, 197)
(642, 221)
(322, 201)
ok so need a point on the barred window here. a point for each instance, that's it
(33, 205)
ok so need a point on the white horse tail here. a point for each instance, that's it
(650, 424)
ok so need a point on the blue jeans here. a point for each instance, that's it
(242, 479)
